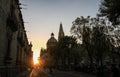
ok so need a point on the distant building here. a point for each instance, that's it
(51, 43)
(42, 51)
(61, 32)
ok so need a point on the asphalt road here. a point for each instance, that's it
(36, 72)
(70, 74)
(39, 72)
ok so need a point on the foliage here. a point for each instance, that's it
(95, 37)
(77, 27)
(66, 52)
(110, 9)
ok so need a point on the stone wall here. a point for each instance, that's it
(15, 50)
(4, 10)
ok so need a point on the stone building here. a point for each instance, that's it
(45, 56)
(61, 32)
(51, 43)
(15, 51)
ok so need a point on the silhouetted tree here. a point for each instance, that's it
(63, 51)
(95, 37)
(110, 9)
(82, 29)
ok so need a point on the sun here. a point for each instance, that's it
(35, 57)
(36, 61)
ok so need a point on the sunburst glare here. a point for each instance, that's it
(35, 57)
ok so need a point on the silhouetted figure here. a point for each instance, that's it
(115, 71)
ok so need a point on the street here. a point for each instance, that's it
(39, 72)
(70, 74)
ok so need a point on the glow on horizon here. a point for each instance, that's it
(38, 44)
(36, 55)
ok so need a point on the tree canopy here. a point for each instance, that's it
(111, 10)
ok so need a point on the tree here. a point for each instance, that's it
(111, 10)
(82, 29)
(77, 27)
(94, 35)
(63, 51)
(100, 41)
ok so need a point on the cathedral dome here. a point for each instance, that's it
(52, 41)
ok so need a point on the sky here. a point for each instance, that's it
(42, 17)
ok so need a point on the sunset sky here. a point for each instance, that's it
(42, 17)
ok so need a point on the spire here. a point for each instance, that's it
(61, 32)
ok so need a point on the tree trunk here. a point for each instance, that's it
(102, 67)
(91, 64)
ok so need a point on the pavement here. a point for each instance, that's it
(40, 72)
(25, 73)
(57, 73)
(36, 72)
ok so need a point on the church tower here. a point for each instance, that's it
(61, 32)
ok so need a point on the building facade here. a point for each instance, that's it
(51, 42)
(15, 50)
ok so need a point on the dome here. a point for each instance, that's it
(52, 41)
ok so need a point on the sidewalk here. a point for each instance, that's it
(40, 72)
(57, 73)
(25, 73)
(45, 72)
